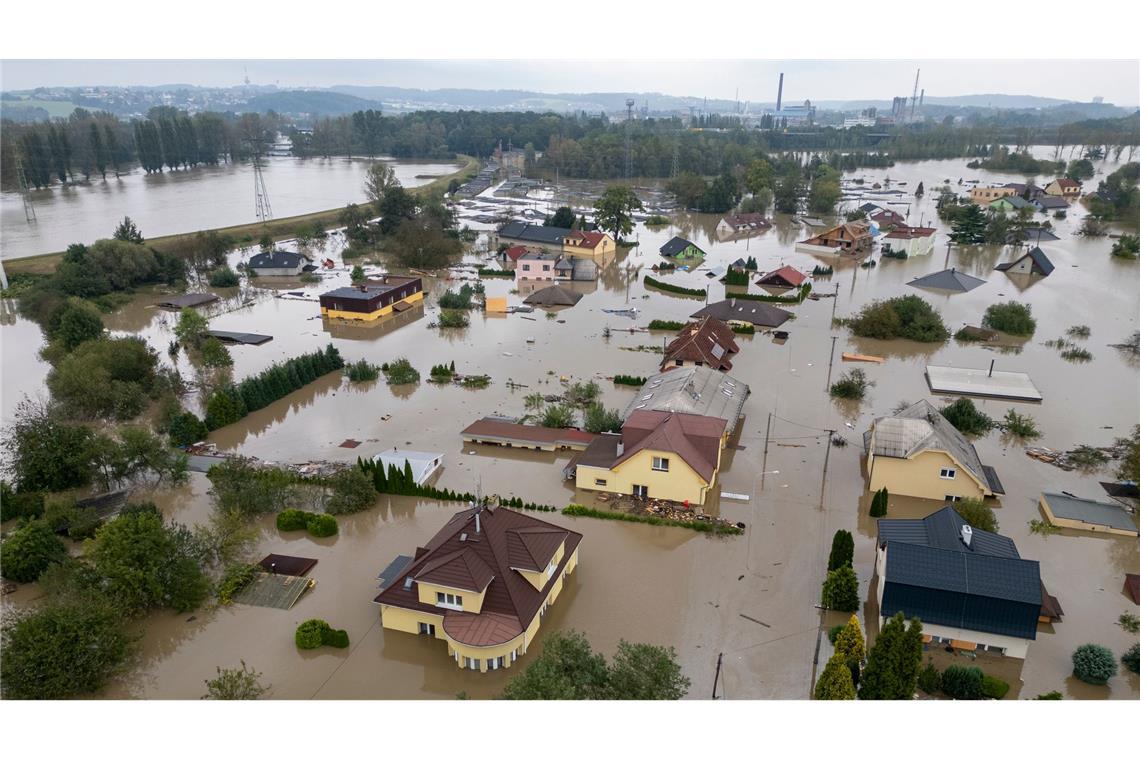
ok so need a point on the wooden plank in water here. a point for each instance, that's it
(278, 591)
(847, 357)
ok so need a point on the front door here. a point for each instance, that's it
(641, 491)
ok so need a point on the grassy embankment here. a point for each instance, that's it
(278, 229)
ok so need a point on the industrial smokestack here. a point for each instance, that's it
(780, 93)
(921, 97)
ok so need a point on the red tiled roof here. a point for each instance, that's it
(489, 427)
(788, 274)
(756, 220)
(1065, 182)
(515, 251)
(510, 602)
(700, 341)
(581, 239)
(694, 438)
(462, 569)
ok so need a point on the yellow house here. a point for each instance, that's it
(578, 243)
(482, 584)
(983, 196)
(372, 299)
(659, 455)
(917, 452)
(496, 304)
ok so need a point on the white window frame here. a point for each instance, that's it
(951, 498)
(641, 491)
(599, 481)
(660, 464)
(449, 601)
(550, 569)
(948, 473)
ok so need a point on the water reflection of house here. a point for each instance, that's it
(376, 328)
(372, 299)
(917, 452)
(482, 584)
(969, 587)
(849, 238)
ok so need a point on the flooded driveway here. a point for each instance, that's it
(752, 597)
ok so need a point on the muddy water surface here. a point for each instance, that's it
(751, 597)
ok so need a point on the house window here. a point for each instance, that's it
(599, 481)
(951, 497)
(661, 464)
(550, 569)
(496, 663)
(454, 601)
(546, 267)
(427, 629)
(471, 664)
(641, 491)
(679, 362)
(947, 473)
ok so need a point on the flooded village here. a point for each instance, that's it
(761, 450)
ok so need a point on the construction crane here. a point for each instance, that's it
(914, 97)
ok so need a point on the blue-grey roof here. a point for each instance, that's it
(948, 279)
(931, 574)
(534, 233)
(276, 260)
(943, 530)
(1014, 200)
(1051, 201)
(1089, 511)
(1040, 262)
(675, 246)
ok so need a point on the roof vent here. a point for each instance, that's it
(967, 535)
(462, 536)
(408, 583)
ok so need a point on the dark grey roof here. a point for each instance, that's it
(1040, 261)
(947, 279)
(963, 589)
(1051, 201)
(943, 530)
(251, 339)
(1089, 511)
(1014, 200)
(553, 295)
(745, 310)
(276, 260)
(1037, 234)
(993, 479)
(675, 246)
(535, 233)
(187, 300)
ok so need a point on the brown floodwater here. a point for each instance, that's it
(202, 198)
(699, 594)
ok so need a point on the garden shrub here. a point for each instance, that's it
(310, 634)
(665, 324)
(400, 372)
(903, 317)
(362, 371)
(292, 519)
(19, 503)
(961, 682)
(930, 679)
(224, 278)
(993, 687)
(322, 526)
(852, 385)
(833, 633)
(842, 550)
(1131, 658)
(879, 502)
(1012, 318)
(29, 550)
(841, 590)
(338, 637)
(186, 428)
(1093, 663)
(967, 418)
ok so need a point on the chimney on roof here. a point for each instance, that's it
(620, 447)
(967, 535)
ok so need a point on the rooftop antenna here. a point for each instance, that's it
(628, 138)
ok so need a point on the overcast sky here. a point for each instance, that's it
(1117, 81)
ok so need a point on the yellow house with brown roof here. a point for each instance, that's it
(482, 584)
(579, 243)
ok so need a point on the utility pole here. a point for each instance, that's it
(628, 139)
(826, 459)
(764, 466)
(832, 359)
(716, 678)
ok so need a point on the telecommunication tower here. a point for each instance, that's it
(629, 102)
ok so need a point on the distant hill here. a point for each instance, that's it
(321, 102)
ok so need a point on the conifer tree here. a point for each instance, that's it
(842, 550)
(894, 661)
(835, 681)
(850, 642)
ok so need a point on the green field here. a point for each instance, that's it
(55, 108)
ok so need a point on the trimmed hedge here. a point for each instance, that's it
(292, 519)
(577, 510)
(316, 633)
(665, 324)
(803, 292)
(744, 329)
(962, 682)
(322, 526)
(629, 380)
(670, 288)
(489, 272)
(993, 687)
(228, 405)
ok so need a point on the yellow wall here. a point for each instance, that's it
(538, 579)
(371, 315)
(605, 248)
(1062, 522)
(680, 483)
(496, 305)
(918, 476)
(472, 602)
(407, 621)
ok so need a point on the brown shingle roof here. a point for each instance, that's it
(508, 595)
(706, 340)
(492, 428)
(532, 548)
(462, 569)
(694, 438)
(789, 275)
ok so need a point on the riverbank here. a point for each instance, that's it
(278, 229)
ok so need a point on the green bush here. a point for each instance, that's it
(1051, 696)
(337, 637)
(851, 385)
(1011, 318)
(993, 687)
(842, 550)
(703, 526)
(1131, 658)
(29, 550)
(735, 277)
(322, 526)
(362, 371)
(449, 319)
(833, 633)
(400, 372)
(903, 317)
(841, 590)
(929, 679)
(665, 324)
(292, 519)
(879, 502)
(489, 272)
(967, 418)
(352, 491)
(186, 428)
(1093, 663)
(977, 514)
(15, 504)
(224, 278)
(310, 634)
(451, 299)
(1020, 425)
(962, 682)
